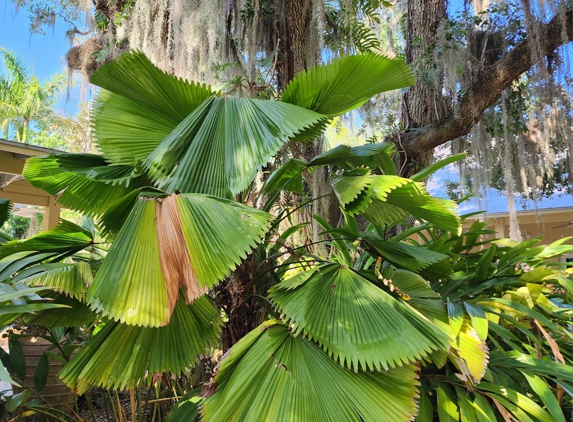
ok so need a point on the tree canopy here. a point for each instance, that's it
(493, 77)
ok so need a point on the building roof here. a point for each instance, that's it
(26, 150)
(13, 156)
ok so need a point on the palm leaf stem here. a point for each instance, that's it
(277, 221)
(274, 196)
(272, 257)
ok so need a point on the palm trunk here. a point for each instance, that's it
(240, 295)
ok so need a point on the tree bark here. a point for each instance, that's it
(423, 103)
(489, 84)
(298, 23)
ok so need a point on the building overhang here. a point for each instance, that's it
(13, 186)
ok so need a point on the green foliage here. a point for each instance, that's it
(16, 227)
(346, 83)
(505, 317)
(23, 99)
(66, 237)
(354, 320)
(85, 182)
(215, 235)
(286, 374)
(430, 324)
(121, 355)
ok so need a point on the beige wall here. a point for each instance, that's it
(20, 191)
(552, 224)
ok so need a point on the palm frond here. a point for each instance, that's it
(187, 408)
(138, 106)
(271, 375)
(189, 241)
(134, 77)
(18, 261)
(126, 131)
(348, 187)
(86, 182)
(412, 284)
(130, 285)
(219, 234)
(287, 177)
(517, 403)
(122, 356)
(355, 321)
(221, 145)
(113, 218)
(17, 70)
(413, 258)
(415, 199)
(66, 237)
(75, 315)
(4, 237)
(346, 83)
(17, 299)
(189, 140)
(380, 199)
(63, 278)
(348, 158)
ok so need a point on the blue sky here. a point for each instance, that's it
(495, 200)
(44, 54)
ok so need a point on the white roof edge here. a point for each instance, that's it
(26, 149)
(522, 212)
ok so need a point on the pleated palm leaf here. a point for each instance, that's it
(83, 182)
(76, 314)
(382, 199)
(51, 246)
(33, 264)
(343, 85)
(121, 355)
(219, 148)
(188, 137)
(189, 241)
(272, 375)
(355, 321)
(17, 299)
(71, 279)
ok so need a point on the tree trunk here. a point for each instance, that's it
(423, 104)
(300, 56)
(237, 294)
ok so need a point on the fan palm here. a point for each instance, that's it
(354, 328)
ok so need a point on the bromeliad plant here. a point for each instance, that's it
(509, 310)
(351, 334)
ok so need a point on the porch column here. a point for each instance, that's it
(52, 215)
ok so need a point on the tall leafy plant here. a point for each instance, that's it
(24, 101)
(350, 336)
(174, 154)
